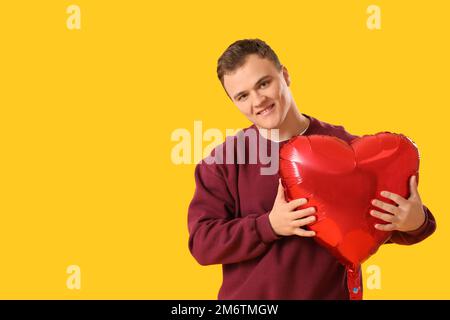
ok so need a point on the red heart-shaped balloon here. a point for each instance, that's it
(340, 180)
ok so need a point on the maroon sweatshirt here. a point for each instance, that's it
(228, 221)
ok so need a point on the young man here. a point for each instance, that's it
(239, 217)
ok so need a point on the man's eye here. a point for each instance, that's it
(264, 84)
(241, 97)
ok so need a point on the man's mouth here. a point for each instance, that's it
(266, 110)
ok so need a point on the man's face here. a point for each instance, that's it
(260, 91)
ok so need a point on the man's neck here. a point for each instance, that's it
(295, 123)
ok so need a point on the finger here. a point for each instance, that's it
(394, 197)
(303, 222)
(386, 227)
(304, 233)
(383, 216)
(298, 214)
(294, 204)
(414, 192)
(385, 206)
(280, 193)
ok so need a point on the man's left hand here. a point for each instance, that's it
(407, 215)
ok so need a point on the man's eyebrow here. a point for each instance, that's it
(256, 84)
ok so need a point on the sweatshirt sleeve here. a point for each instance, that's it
(412, 237)
(217, 235)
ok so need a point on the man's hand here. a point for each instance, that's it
(286, 221)
(408, 215)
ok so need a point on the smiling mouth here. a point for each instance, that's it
(266, 110)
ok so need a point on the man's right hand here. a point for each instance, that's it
(286, 220)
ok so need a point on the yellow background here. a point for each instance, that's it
(86, 118)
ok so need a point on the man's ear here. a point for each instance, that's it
(286, 75)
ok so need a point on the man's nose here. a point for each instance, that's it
(258, 100)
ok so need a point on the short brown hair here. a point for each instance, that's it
(235, 55)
